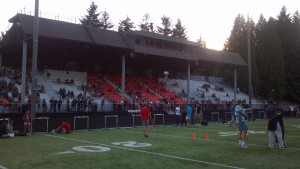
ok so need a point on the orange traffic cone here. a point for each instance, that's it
(206, 136)
(194, 136)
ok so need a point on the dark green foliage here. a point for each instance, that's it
(166, 26)
(91, 19)
(126, 25)
(275, 52)
(145, 24)
(271, 61)
(105, 23)
(179, 30)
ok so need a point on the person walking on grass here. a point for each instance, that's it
(145, 113)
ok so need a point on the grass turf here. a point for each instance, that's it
(166, 147)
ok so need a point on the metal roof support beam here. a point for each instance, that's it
(235, 84)
(123, 77)
(34, 59)
(24, 67)
(188, 81)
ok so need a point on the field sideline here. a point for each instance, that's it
(166, 147)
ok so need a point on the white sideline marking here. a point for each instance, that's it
(65, 152)
(209, 140)
(141, 151)
(2, 167)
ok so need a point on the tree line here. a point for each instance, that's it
(102, 20)
(275, 53)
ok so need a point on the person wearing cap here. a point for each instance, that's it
(273, 125)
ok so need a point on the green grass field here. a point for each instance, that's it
(167, 147)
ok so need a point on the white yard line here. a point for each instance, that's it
(2, 167)
(209, 140)
(147, 152)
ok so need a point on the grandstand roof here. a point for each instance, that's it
(69, 31)
(61, 30)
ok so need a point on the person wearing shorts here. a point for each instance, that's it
(27, 122)
(145, 113)
(189, 112)
(240, 114)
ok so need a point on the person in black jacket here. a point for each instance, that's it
(273, 124)
(280, 121)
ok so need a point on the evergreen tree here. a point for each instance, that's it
(126, 25)
(271, 61)
(166, 26)
(295, 64)
(145, 24)
(179, 31)
(289, 43)
(201, 42)
(105, 23)
(237, 43)
(91, 19)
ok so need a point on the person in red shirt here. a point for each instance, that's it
(27, 122)
(64, 128)
(145, 113)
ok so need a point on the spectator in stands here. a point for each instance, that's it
(54, 105)
(27, 122)
(4, 103)
(44, 105)
(145, 113)
(68, 105)
(59, 104)
(58, 80)
(51, 101)
(64, 128)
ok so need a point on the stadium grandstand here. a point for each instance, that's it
(92, 75)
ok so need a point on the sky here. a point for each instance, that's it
(211, 19)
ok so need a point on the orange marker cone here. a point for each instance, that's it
(194, 136)
(206, 136)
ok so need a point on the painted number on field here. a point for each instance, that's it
(233, 133)
(100, 149)
(90, 149)
(132, 144)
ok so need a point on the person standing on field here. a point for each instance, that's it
(240, 114)
(189, 111)
(273, 125)
(145, 113)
